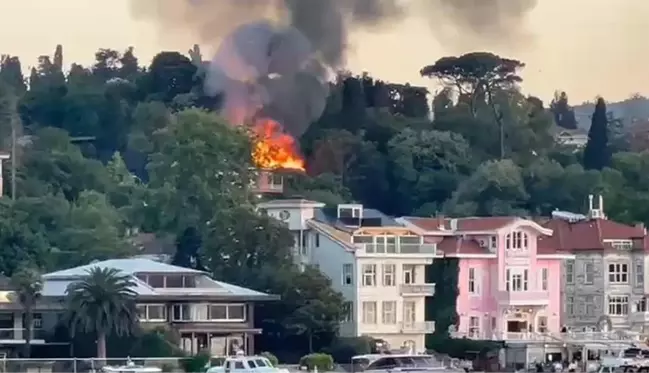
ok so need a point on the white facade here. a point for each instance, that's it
(383, 280)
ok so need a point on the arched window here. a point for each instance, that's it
(516, 241)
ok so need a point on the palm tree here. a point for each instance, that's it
(27, 284)
(102, 302)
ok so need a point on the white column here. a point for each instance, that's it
(18, 324)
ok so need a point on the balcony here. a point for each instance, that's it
(523, 298)
(418, 327)
(639, 317)
(427, 290)
(17, 334)
(403, 249)
(623, 337)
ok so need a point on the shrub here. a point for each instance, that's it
(343, 349)
(323, 362)
(195, 364)
(272, 358)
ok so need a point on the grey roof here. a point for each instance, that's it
(56, 283)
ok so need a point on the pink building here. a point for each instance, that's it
(509, 285)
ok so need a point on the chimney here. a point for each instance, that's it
(590, 203)
(601, 204)
(454, 224)
(641, 226)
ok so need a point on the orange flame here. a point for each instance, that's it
(274, 149)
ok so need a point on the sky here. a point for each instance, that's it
(584, 47)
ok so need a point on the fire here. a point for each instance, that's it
(273, 148)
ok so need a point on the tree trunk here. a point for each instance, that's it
(101, 347)
(29, 323)
(310, 337)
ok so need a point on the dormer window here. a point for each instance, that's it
(516, 241)
(621, 244)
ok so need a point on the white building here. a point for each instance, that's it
(375, 262)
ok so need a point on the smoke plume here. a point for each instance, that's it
(467, 24)
(273, 56)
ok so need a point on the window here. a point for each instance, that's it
(408, 274)
(409, 312)
(208, 312)
(542, 324)
(570, 271)
(474, 327)
(348, 274)
(639, 274)
(389, 309)
(317, 240)
(622, 244)
(493, 242)
(369, 274)
(618, 273)
(589, 301)
(516, 241)
(544, 279)
(473, 285)
(641, 306)
(517, 279)
(305, 243)
(389, 274)
(348, 312)
(570, 306)
(156, 281)
(618, 305)
(152, 312)
(369, 312)
(589, 272)
(174, 281)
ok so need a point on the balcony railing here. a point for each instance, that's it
(19, 334)
(417, 289)
(418, 327)
(523, 298)
(550, 337)
(405, 249)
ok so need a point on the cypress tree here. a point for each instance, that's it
(597, 154)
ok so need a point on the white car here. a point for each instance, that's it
(246, 364)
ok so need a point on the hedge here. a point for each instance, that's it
(323, 362)
(272, 358)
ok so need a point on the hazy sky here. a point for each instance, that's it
(586, 47)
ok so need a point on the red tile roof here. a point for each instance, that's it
(460, 245)
(589, 234)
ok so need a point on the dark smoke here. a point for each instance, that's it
(274, 55)
(476, 24)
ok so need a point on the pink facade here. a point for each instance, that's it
(509, 287)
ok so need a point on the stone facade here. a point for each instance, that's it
(587, 286)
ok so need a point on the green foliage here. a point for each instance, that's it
(461, 348)
(323, 362)
(103, 302)
(114, 149)
(272, 358)
(195, 364)
(597, 153)
(343, 349)
(442, 306)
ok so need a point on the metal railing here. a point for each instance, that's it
(418, 327)
(78, 365)
(420, 289)
(523, 297)
(399, 249)
(621, 336)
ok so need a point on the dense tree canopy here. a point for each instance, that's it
(108, 151)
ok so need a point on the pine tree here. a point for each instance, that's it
(597, 154)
